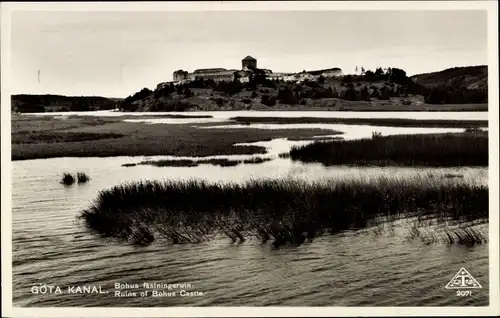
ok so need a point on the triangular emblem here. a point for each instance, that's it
(463, 280)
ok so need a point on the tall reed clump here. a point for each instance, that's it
(406, 150)
(284, 211)
(82, 177)
(67, 179)
(468, 235)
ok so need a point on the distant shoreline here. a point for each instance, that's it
(344, 108)
(385, 108)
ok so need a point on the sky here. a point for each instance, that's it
(115, 54)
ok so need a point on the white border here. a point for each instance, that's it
(494, 279)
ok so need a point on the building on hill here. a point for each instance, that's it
(277, 76)
(244, 75)
(216, 74)
(180, 75)
(209, 71)
(249, 67)
(249, 62)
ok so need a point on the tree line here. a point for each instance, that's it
(25, 103)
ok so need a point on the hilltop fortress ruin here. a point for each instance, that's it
(249, 67)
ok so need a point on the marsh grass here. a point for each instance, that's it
(282, 211)
(175, 116)
(256, 160)
(401, 150)
(34, 137)
(82, 177)
(322, 138)
(170, 163)
(465, 236)
(129, 165)
(387, 122)
(220, 162)
(469, 235)
(67, 179)
(194, 163)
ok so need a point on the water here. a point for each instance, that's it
(349, 269)
(341, 270)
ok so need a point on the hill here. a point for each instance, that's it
(383, 89)
(51, 103)
(458, 85)
(469, 77)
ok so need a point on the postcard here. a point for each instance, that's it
(227, 159)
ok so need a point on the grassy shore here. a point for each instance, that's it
(195, 163)
(35, 137)
(282, 211)
(388, 122)
(465, 149)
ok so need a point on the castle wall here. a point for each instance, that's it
(218, 76)
(332, 73)
(222, 74)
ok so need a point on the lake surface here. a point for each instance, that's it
(340, 270)
(348, 269)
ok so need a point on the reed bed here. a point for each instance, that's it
(468, 236)
(82, 177)
(256, 160)
(69, 179)
(220, 162)
(403, 150)
(170, 163)
(129, 165)
(194, 163)
(283, 211)
(387, 122)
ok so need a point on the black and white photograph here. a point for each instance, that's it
(200, 155)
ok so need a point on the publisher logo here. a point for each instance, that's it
(463, 280)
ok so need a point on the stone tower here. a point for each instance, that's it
(249, 62)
